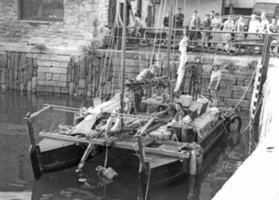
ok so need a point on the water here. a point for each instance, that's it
(16, 177)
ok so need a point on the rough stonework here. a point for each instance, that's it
(100, 74)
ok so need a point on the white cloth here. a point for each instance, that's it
(253, 26)
(183, 59)
(85, 126)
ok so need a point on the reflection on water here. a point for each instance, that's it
(16, 174)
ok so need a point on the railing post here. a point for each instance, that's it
(30, 129)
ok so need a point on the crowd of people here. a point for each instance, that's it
(215, 22)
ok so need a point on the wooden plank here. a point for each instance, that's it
(165, 152)
(112, 141)
(101, 142)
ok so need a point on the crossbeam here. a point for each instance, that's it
(114, 142)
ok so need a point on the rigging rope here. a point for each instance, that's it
(247, 88)
(161, 31)
(156, 30)
(148, 182)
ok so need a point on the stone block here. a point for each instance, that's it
(41, 82)
(233, 102)
(49, 89)
(131, 62)
(60, 84)
(48, 76)
(29, 86)
(44, 63)
(207, 69)
(192, 58)
(64, 64)
(229, 81)
(71, 88)
(43, 69)
(34, 83)
(240, 81)
(239, 88)
(55, 64)
(40, 88)
(132, 55)
(41, 76)
(51, 83)
(58, 70)
(63, 77)
(237, 95)
(81, 83)
(234, 75)
(208, 60)
(56, 77)
(56, 89)
(248, 96)
(224, 93)
(64, 90)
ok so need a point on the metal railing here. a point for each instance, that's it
(199, 40)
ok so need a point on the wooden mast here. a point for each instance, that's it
(123, 57)
(168, 47)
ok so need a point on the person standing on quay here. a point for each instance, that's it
(194, 25)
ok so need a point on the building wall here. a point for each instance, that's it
(240, 3)
(83, 23)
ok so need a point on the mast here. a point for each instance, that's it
(169, 43)
(123, 57)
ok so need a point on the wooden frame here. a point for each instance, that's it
(20, 14)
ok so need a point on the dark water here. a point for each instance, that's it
(16, 177)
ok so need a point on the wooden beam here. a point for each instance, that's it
(102, 142)
(113, 142)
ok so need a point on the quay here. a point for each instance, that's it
(258, 176)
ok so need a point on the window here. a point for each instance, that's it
(41, 10)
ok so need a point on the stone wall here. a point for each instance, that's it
(83, 23)
(237, 74)
(100, 74)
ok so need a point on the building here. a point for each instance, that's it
(42, 42)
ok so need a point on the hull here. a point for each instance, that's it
(54, 155)
(154, 176)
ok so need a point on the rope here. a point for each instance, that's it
(240, 100)
(100, 168)
(161, 30)
(176, 139)
(148, 182)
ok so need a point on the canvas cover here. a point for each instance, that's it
(84, 127)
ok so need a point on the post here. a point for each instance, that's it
(30, 129)
(169, 43)
(123, 58)
(264, 62)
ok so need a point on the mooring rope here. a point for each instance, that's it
(148, 182)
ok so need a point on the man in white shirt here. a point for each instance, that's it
(253, 27)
